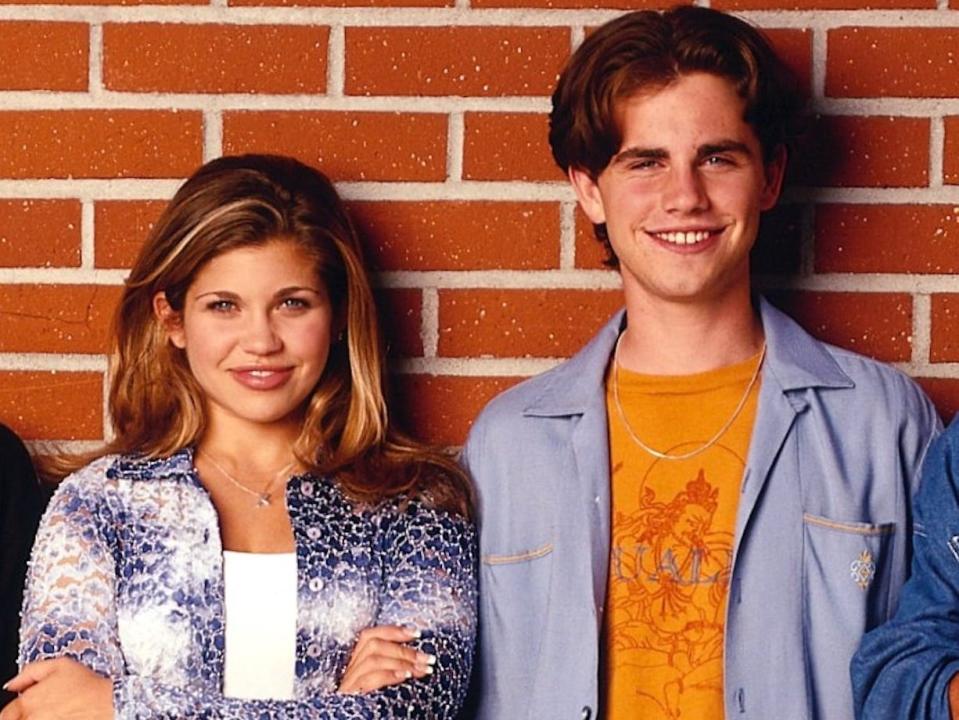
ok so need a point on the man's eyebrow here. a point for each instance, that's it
(723, 146)
(638, 153)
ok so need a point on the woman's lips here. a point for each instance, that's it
(262, 378)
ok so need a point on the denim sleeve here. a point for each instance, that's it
(903, 668)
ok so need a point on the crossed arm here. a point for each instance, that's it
(74, 655)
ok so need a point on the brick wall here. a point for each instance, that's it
(431, 114)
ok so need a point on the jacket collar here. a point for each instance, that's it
(138, 467)
(794, 359)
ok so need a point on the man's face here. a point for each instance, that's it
(682, 197)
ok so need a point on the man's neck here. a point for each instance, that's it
(668, 338)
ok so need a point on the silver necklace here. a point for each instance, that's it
(705, 446)
(264, 496)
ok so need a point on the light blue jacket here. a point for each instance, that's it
(825, 508)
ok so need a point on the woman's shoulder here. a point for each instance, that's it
(107, 473)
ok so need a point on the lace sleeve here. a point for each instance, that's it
(431, 585)
(69, 600)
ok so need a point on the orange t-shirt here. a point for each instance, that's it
(673, 523)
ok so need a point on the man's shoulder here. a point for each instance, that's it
(845, 377)
(874, 379)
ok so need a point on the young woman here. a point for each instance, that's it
(258, 541)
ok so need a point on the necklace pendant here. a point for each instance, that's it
(263, 500)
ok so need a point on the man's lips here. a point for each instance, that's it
(262, 378)
(685, 237)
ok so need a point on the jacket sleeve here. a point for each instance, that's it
(903, 668)
(70, 610)
(69, 603)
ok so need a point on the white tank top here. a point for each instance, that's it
(260, 609)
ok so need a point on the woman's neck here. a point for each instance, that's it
(263, 448)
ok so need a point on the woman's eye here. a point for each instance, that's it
(221, 305)
(294, 303)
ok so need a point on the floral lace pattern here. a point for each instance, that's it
(127, 578)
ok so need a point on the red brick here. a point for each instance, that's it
(104, 2)
(100, 143)
(56, 318)
(440, 409)
(950, 160)
(39, 233)
(777, 251)
(473, 61)
(400, 311)
(944, 393)
(348, 145)
(508, 146)
(874, 324)
(887, 238)
(851, 151)
(121, 226)
(459, 235)
(892, 62)
(819, 4)
(44, 56)
(521, 323)
(944, 343)
(572, 4)
(590, 251)
(343, 3)
(154, 57)
(794, 47)
(53, 405)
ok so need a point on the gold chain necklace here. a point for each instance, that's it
(264, 496)
(705, 446)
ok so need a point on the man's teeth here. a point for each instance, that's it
(684, 238)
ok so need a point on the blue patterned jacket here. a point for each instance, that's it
(127, 578)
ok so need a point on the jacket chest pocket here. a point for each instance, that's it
(515, 604)
(847, 571)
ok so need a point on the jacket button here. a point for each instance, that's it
(587, 713)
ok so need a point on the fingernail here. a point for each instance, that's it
(425, 658)
(413, 631)
(6, 684)
(429, 669)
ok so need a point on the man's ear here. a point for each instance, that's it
(170, 320)
(775, 171)
(588, 194)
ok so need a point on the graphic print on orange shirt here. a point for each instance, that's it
(673, 525)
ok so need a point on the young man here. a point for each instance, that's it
(699, 514)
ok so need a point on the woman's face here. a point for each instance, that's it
(256, 327)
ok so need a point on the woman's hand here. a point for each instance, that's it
(382, 658)
(60, 689)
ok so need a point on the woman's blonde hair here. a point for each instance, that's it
(155, 403)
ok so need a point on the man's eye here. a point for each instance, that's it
(643, 165)
(718, 160)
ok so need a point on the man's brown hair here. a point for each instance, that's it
(646, 51)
